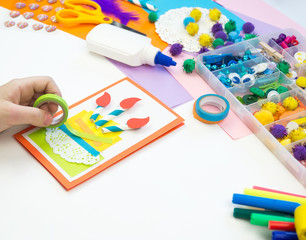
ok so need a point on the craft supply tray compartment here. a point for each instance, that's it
(245, 112)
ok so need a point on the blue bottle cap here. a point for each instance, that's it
(164, 60)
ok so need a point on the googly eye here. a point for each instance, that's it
(248, 80)
(235, 78)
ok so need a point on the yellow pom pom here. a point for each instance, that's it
(205, 40)
(264, 117)
(285, 141)
(214, 14)
(301, 82)
(192, 28)
(290, 103)
(271, 107)
(297, 134)
(196, 14)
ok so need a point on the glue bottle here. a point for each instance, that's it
(125, 46)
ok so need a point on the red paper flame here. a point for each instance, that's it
(104, 100)
(137, 122)
(128, 102)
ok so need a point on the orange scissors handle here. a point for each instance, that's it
(81, 11)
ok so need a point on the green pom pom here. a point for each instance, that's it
(230, 26)
(284, 67)
(189, 65)
(153, 17)
(218, 42)
(249, 36)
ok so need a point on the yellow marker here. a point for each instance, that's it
(273, 195)
(300, 222)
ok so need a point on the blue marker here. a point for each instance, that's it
(281, 235)
(266, 203)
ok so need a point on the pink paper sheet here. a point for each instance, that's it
(262, 11)
(196, 86)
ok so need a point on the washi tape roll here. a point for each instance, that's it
(46, 98)
(211, 100)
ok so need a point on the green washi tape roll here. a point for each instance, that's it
(57, 100)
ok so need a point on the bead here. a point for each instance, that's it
(247, 52)
(223, 66)
(258, 92)
(214, 67)
(208, 66)
(245, 58)
(249, 99)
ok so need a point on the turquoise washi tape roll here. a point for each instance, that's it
(57, 100)
(211, 100)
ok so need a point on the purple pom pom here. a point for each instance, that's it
(220, 46)
(221, 35)
(216, 28)
(248, 27)
(282, 37)
(176, 49)
(299, 152)
(278, 131)
(228, 43)
(203, 50)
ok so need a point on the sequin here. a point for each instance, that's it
(59, 9)
(50, 28)
(28, 15)
(37, 26)
(52, 1)
(34, 6)
(9, 24)
(14, 14)
(22, 25)
(20, 5)
(46, 8)
(53, 19)
(42, 17)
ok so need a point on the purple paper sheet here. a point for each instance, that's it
(158, 81)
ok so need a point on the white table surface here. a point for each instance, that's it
(178, 187)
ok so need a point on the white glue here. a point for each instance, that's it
(125, 46)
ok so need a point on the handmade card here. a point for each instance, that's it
(122, 118)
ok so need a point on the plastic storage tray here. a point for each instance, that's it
(245, 112)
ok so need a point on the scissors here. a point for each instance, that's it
(81, 11)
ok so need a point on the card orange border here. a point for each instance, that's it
(69, 185)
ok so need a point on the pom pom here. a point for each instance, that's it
(192, 28)
(221, 35)
(271, 107)
(299, 152)
(216, 28)
(228, 43)
(205, 40)
(189, 65)
(203, 50)
(290, 103)
(279, 112)
(278, 131)
(188, 20)
(214, 14)
(153, 17)
(176, 49)
(232, 36)
(230, 26)
(249, 36)
(196, 14)
(297, 134)
(264, 117)
(283, 66)
(248, 27)
(218, 42)
(285, 141)
(301, 82)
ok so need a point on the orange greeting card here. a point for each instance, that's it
(72, 159)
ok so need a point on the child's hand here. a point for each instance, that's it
(17, 98)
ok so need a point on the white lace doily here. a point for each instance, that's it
(68, 149)
(171, 29)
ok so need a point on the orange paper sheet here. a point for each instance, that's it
(81, 31)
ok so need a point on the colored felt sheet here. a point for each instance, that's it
(262, 11)
(162, 121)
(197, 87)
